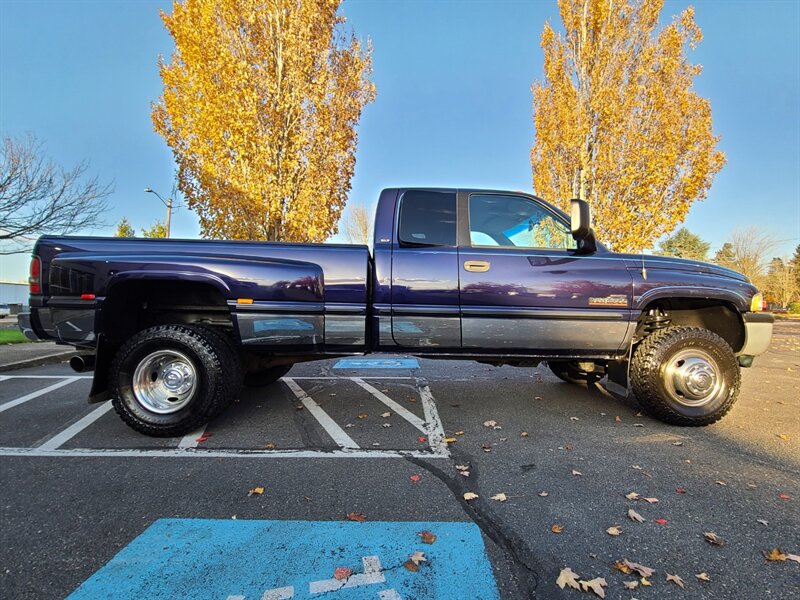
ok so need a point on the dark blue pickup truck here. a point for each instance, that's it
(173, 328)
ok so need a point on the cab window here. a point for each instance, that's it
(516, 222)
(428, 218)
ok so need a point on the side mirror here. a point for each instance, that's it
(581, 226)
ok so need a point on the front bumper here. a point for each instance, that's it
(757, 333)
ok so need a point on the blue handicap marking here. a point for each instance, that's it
(281, 560)
(377, 363)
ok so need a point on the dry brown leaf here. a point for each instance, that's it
(774, 555)
(630, 585)
(557, 528)
(793, 557)
(470, 496)
(386, 415)
(427, 537)
(615, 530)
(451, 440)
(720, 482)
(632, 496)
(650, 500)
(256, 491)
(703, 576)
(462, 467)
(676, 580)
(362, 416)
(490, 423)
(640, 569)
(501, 497)
(567, 578)
(634, 516)
(270, 446)
(459, 433)
(409, 564)
(356, 516)
(645, 582)
(596, 585)
(524, 434)
(713, 538)
(418, 557)
(340, 573)
(622, 567)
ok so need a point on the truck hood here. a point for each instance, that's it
(682, 264)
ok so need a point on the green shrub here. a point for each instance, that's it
(794, 308)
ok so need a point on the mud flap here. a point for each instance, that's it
(102, 364)
(618, 382)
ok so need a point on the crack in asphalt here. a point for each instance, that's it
(524, 564)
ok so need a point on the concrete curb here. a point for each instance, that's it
(47, 359)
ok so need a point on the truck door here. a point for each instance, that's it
(524, 290)
(425, 306)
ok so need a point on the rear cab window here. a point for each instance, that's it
(427, 218)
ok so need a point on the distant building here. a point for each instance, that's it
(14, 293)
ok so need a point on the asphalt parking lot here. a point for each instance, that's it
(324, 484)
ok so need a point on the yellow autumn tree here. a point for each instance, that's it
(260, 106)
(617, 121)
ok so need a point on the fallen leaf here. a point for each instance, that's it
(574, 419)
(409, 564)
(415, 478)
(486, 447)
(307, 498)
(470, 496)
(622, 567)
(722, 483)
(783, 496)
(640, 569)
(650, 500)
(645, 582)
(638, 425)
(783, 436)
(632, 496)
(614, 530)
(631, 585)
(386, 425)
(750, 486)
(680, 490)
(543, 494)
(464, 473)
(634, 516)
(762, 521)
(386, 415)
(596, 585)
(677, 443)
(256, 491)
(567, 578)
(459, 433)
(713, 538)
(342, 573)
(349, 425)
(637, 467)
(354, 516)
(489, 423)
(524, 434)
(557, 528)
(418, 557)
(270, 446)
(362, 416)
(661, 521)
(703, 576)
(204, 437)
(793, 557)
(576, 473)
(422, 439)
(427, 537)
(618, 419)
(501, 497)
(774, 555)
(676, 580)
(462, 467)
(450, 440)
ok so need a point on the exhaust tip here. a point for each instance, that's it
(80, 364)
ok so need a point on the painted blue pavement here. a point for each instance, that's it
(281, 560)
(377, 363)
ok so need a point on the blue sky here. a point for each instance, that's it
(453, 106)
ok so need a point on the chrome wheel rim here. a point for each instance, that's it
(692, 378)
(164, 381)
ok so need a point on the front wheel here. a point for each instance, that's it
(685, 376)
(169, 380)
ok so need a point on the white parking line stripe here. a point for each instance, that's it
(433, 422)
(195, 453)
(4, 377)
(190, 439)
(36, 394)
(337, 433)
(399, 409)
(46, 376)
(70, 432)
(360, 377)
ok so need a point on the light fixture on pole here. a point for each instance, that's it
(167, 203)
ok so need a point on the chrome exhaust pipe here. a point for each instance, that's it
(83, 363)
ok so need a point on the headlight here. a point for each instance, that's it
(757, 303)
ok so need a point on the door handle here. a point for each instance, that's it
(477, 266)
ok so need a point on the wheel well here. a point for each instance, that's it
(135, 305)
(720, 317)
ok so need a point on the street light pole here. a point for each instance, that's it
(167, 203)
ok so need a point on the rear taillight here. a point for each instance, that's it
(35, 280)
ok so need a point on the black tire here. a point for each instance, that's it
(232, 370)
(266, 376)
(195, 358)
(568, 371)
(685, 376)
